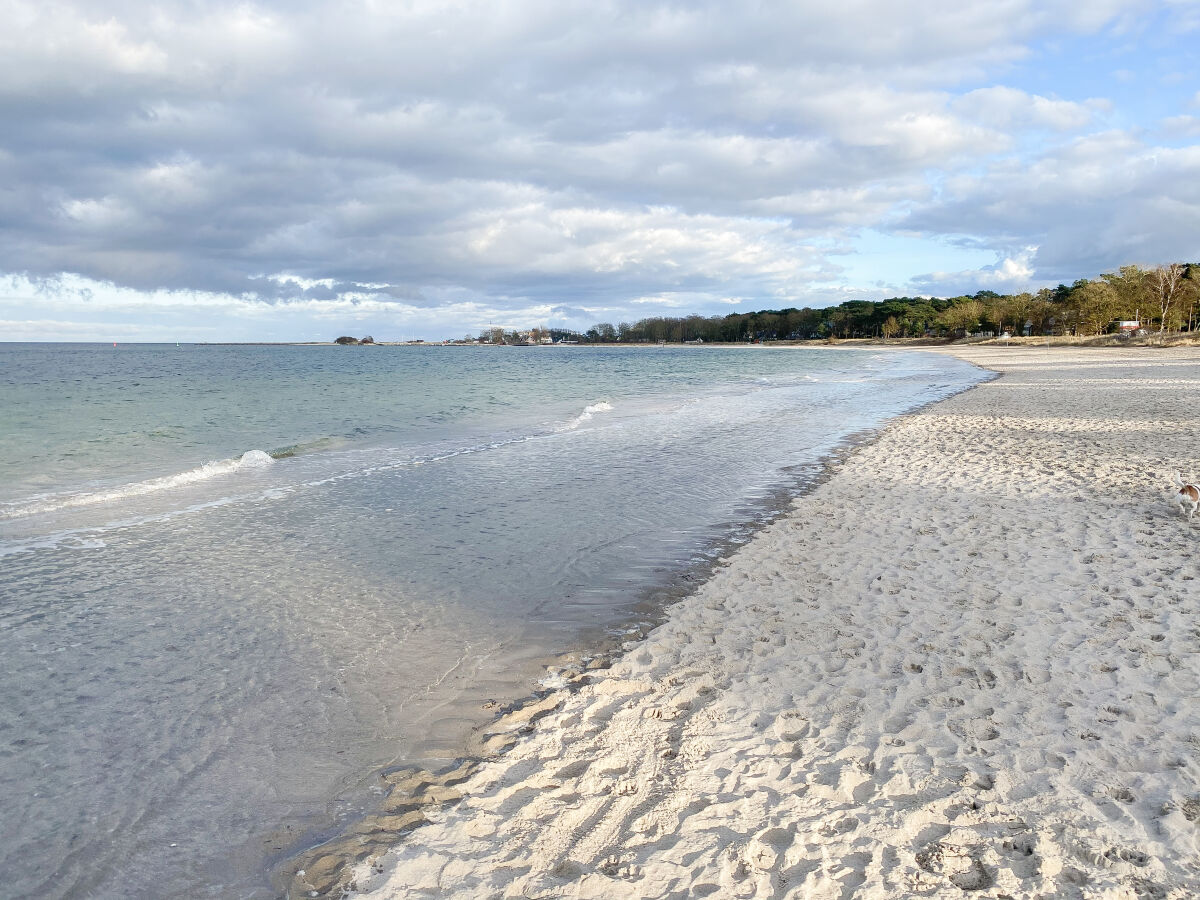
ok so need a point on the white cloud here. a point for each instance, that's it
(1005, 109)
(1012, 274)
(286, 278)
(1177, 127)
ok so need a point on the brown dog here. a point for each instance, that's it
(1188, 496)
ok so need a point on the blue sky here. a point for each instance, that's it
(295, 171)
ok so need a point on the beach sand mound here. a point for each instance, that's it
(968, 662)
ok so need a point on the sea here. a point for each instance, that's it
(238, 582)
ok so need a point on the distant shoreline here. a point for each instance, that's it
(1096, 341)
(1184, 339)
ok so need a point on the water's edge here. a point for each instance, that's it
(319, 861)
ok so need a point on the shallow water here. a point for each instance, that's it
(237, 581)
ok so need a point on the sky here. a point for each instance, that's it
(207, 171)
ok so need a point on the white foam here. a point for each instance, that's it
(600, 406)
(251, 459)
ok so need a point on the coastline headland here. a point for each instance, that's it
(967, 660)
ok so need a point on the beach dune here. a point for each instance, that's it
(967, 661)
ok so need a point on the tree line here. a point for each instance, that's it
(1163, 299)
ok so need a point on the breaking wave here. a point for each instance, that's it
(251, 459)
(599, 406)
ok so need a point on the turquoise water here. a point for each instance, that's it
(236, 581)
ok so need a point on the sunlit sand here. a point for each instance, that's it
(966, 661)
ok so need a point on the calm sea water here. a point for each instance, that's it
(237, 581)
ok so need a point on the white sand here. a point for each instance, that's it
(968, 661)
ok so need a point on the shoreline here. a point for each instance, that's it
(414, 790)
(856, 720)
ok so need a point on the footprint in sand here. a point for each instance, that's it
(768, 846)
(958, 864)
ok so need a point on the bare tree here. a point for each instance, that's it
(1166, 283)
(1189, 291)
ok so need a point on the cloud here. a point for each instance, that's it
(1186, 15)
(1090, 205)
(1180, 127)
(1012, 274)
(476, 159)
(1005, 109)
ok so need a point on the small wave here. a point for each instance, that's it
(599, 406)
(251, 459)
(325, 443)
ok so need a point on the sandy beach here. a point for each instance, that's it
(967, 661)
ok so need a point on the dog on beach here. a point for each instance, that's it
(1188, 495)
